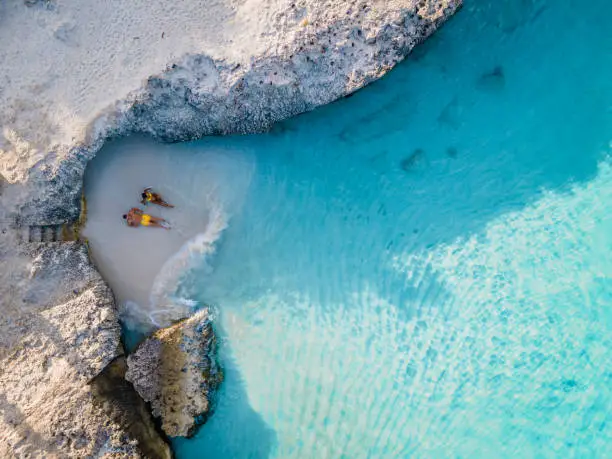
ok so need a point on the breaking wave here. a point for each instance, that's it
(165, 307)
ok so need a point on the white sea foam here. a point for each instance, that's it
(133, 316)
(164, 306)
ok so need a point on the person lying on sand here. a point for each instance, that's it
(155, 198)
(135, 217)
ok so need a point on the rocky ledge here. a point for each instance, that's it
(58, 324)
(177, 372)
(59, 331)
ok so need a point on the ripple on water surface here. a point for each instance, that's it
(420, 270)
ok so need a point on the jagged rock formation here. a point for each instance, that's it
(176, 371)
(59, 329)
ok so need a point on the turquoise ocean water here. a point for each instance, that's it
(424, 269)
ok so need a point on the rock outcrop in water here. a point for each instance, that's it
(177, 372)
(58, 325)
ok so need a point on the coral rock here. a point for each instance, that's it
(176, 370)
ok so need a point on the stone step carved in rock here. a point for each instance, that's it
(51, 233)
(44, 234)
(35, 234)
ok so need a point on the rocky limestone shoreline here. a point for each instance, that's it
(59, 330)
(331, 50)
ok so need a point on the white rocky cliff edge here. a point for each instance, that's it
(74, 73)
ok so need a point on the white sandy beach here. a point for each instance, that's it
(143, 265)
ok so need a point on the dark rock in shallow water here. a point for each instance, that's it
(493, 81)
(177, 372)
(451, 114)
(414, 161)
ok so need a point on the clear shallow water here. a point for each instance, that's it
(422, 270)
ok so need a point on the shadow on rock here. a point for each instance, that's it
(118, 398)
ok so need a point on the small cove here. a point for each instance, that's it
(422, 269)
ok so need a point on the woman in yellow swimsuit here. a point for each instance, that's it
(155, 198)
(136, 217)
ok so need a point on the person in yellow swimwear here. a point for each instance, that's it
(154, 198)
(136, 217)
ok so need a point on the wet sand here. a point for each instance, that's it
(206, 185)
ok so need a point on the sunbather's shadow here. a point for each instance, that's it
(235, 430)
